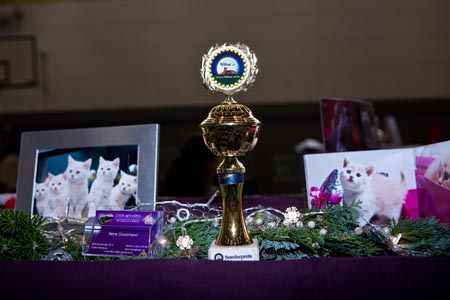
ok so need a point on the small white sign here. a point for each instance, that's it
(234, 253)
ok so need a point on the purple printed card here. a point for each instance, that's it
(122, 233)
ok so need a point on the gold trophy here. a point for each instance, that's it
(229, 131)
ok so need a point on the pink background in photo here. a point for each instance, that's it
(411, 207)
(434, 199)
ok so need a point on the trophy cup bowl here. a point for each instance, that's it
(230, 131)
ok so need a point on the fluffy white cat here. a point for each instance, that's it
(56, 196)
(77, 173)
(102, 185)
(40, 195)
(380, 195)
(439, 170)
(122, 191)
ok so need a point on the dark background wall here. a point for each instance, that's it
(119, 62)
(273, 167)
(130, 54)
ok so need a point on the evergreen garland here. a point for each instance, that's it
(423, 237)
(20, 235)
(202, 233)
(331, 232)
(339, 239)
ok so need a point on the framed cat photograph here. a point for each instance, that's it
(75, 172)
(383, 181)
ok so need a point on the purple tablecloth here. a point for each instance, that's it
(361, 278)
(321, 278)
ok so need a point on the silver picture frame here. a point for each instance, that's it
(144, 137)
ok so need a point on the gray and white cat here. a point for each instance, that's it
(56, 196)
(122, 191)
(77, 173)
(102, 185)
(380, 195)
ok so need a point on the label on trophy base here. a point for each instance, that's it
(234, 253)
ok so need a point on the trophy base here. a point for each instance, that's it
(234, 253)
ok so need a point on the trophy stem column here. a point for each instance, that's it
(233, 230)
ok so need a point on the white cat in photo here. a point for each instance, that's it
(439, 170)
(77, 173)
(380, 195)
(122, 191)
(102, 185)
(56, 196)
(40, 196)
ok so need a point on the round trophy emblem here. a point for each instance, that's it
(229, 68)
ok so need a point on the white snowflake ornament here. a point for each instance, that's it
(184, 242)
(291, 216)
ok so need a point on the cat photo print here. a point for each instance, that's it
(382, 181)
(76, 183)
